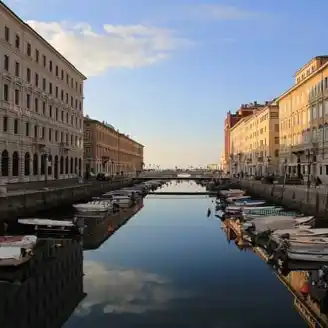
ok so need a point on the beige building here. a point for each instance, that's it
(41, 106)
(254, 142)
(109, 151)
(304, 122)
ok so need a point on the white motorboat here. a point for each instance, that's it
(260, 225)
(123, 201)
(301, 232)
(95, 206)
(237, 198)
(16, 250)
(47, 225)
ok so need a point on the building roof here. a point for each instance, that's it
(87, 119)
(309, 62)
(38, 36)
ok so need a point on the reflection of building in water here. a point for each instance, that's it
(99, 233)
(47, 289)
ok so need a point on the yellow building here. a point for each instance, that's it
(304, 122)
(254, 142)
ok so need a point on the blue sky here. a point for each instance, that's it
(167, 71)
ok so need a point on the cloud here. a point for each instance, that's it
(119, 290)
(116, 46)
(225, 12)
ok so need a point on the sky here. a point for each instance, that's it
(166, 72)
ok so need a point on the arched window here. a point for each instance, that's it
(5, 163)
(50, 165)
(15, 167)
(43, 164)
(27, 160)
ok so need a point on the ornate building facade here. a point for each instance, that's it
(41, 106)
(109, 151)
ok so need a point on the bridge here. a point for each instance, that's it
(178, 175)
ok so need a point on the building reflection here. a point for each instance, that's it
(45, 291)
(100, 229)
(312, 305)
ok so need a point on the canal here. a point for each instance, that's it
(171, 266)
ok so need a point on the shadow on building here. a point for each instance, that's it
(98, 230)
(45, 291)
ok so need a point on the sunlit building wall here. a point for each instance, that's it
(304, 122)
(254, 142)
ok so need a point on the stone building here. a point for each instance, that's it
(109, 151)
(41, 106)
(304, 122)
(254, 142)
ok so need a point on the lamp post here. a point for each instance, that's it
(268, 163)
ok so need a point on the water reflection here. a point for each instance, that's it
(44, 291)
(307, 305)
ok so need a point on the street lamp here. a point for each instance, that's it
(268, 163)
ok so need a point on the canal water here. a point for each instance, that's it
(171, 266)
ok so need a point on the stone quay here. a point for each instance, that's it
(310, 201)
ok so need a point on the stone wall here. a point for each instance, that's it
(313, 201)
(31, 202)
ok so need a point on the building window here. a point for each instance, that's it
(44, 108)
(62, 74)
(56, 92)
(36, 79)
(50, 65)
(56, 114)
(50, 88)
(17, 41)
(17, 94)
(44, 84)
(43, 132)
(5, 124)
(56, 70)
(44, 58)
(17, 66)
(37, 55)
(29, 50)
(7, 33)
(28, 101)
(50, 111)
(6, 63)
(16, 126)
(27, 129)
(36, 105)
(36, 134)
(50, 134)
(6, 92)
(28, 75)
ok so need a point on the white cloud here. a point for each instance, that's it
(225, 12)
(116, 46)
(119, 290)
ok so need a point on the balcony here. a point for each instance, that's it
(64, 146)
(37, 141)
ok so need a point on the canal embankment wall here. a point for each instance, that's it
(24, 203)
(310, 201)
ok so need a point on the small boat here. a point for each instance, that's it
(232, 193)
(250, 203)
(247, 209)
(95, 206)
(301, 232)
(16, 250)
(270, 212)
(52, 226)
(260, 225)
(237, 198)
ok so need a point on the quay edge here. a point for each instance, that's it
(26, 204)
(310, 201)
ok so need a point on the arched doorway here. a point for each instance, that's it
(43, 164)
(5, 163)
(75, 165)
(66, 165)
(50, 165)
(35, 164)
(61, 165)
(80, 167)
(72, 165)
(15, 170)
(56, 167)
(27, 160)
